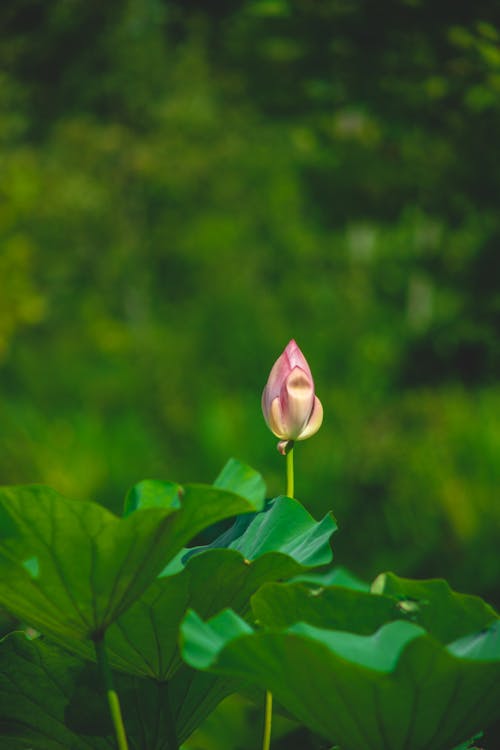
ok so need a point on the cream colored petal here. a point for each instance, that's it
(315, 420)
(275, 420)
(297, 402)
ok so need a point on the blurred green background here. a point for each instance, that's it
(185, 186)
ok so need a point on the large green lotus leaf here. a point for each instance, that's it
(52, 700)
(444, 613)
(397, 689)
(144, 639)
(278, 605)
(70, 568)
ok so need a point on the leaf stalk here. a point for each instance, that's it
(112, 695)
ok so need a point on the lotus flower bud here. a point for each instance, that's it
(290, 407)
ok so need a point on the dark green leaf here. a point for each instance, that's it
(195, 695)
(51, 700)
(71, 568)
(280, 605)
(432, 604)
(144, 640)
(398, 688)
(443, 612)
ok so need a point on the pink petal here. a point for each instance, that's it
(279, 373)
(296, 358)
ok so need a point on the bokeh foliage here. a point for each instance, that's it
(186, 186)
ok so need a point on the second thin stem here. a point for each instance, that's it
(268, 721)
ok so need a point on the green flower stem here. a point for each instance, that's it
(112, 695)
(289, 473)
(268, 716)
